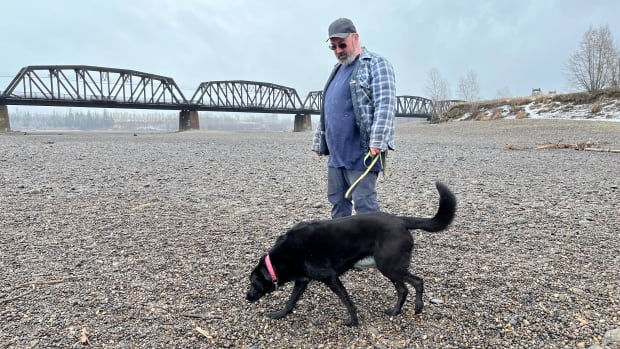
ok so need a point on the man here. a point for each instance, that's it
(357, 118)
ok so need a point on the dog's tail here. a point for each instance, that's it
(443, 217)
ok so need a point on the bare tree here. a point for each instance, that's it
(615, 75)
(468, 87)
(592, 67)
(436, 86)
(438, 90)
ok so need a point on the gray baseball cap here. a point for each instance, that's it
(341, 28)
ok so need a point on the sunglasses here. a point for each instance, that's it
(341, 46)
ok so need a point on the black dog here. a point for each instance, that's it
(323, 250)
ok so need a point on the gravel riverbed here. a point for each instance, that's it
(116, 240)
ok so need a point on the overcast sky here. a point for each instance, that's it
(514, 45)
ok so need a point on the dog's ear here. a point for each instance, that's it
(265, 273)
(262, 269)
(261, 279)
(260, 274)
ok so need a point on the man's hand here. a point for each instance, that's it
(375, 151)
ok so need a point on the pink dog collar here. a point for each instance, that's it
(270, 269)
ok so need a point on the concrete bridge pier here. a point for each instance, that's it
(303, 122)
(188, 120)
(5, 123)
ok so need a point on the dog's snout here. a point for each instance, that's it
(253, 295)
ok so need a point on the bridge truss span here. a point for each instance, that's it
(314, 100)
(406, 106)
(443, 106)
(413, 106)
(90, 86)
(247, 96)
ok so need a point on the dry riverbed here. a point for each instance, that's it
(119, 240)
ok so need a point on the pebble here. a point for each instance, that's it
(141, 240)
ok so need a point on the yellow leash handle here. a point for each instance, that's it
(368, 168)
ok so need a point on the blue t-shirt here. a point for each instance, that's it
(341, 132)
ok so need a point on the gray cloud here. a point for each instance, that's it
(518, 44)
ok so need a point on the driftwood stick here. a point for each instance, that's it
(556, 146)
(43, 282)
(203, 332)
(604, 150)
(578, 146)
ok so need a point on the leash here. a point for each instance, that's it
(368, 168)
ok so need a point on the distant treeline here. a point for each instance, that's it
(123, 120)
(71, 120)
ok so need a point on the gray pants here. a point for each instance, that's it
(364, 196)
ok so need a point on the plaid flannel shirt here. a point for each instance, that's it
(373, 90)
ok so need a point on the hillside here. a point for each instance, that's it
(600, 105)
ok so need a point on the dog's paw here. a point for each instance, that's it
(418, 307)
(393, 311)
(352, 322)
(278, 314)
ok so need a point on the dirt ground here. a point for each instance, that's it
(116, 240)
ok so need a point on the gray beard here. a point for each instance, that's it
(350, 59)
(347, 61)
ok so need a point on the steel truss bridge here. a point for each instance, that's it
(101, 87)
